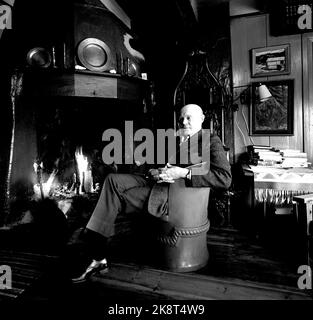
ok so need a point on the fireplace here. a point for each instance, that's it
(56, 138)
(69, 81)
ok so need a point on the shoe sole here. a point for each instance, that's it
(102, 269)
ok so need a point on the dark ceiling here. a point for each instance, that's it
(166, 25)
(160, 20)
(168, 30)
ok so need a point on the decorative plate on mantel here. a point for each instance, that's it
(39, 57)
(94, 54)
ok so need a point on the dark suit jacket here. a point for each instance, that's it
(209, 168)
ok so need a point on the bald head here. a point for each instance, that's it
(192, 108)
(191, 119)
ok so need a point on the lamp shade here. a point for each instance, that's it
(264, 93)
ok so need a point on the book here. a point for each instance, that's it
(256, 146)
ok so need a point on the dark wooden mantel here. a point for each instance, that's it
(83, 84)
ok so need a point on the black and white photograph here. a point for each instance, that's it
(155, 157)
(270, 61)
(273, 116)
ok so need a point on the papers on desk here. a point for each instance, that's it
(271, 157)
(294, 158)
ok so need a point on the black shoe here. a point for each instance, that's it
(95, 266)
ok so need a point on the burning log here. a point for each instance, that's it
(43, 189)
(38, 170)
(85, 183)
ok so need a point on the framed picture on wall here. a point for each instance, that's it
(272, 115)
(270, 61)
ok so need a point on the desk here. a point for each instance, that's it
(279, 191)
(278, 186)
(294, 179)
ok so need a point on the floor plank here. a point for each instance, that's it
(191, 286)
(239, 268)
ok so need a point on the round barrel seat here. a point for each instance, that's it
(182, 237)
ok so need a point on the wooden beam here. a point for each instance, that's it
(187, 10)
(244, 7)
(84, 85)
(9, 2)
(194, 5)
(114, 7)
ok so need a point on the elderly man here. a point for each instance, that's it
(133, 193)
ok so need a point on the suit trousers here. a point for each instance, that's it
(127, 193)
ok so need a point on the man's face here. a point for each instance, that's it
(190, 120)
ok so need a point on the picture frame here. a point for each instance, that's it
(270, 61)
(275, 115)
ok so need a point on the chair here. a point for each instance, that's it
(177, 241)
(182, 236)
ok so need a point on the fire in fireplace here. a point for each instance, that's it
(80, 183)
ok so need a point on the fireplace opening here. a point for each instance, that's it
(57, 155)
(69, 140)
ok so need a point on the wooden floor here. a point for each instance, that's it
(28, 268)
(239, 268)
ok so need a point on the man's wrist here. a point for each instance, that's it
(188, 175)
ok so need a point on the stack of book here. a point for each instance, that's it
(264, 155)
(294, 158)
(260, 155)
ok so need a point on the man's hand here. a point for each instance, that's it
(159, 176)
(154, 174)
(170, 173)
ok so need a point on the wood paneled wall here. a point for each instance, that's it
(307, 62)
(253, 32)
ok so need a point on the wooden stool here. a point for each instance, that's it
(182, 238)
